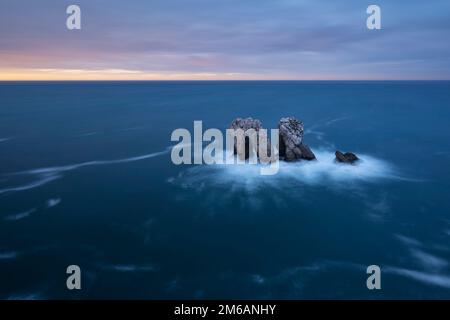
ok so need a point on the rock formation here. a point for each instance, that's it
(246, 124)
(291, 146)
(347, 157)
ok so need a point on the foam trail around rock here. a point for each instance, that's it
(324, 171)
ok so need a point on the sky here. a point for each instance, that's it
(224, 40)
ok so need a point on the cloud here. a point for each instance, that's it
(288, 39)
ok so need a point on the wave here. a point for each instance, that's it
(49, 174)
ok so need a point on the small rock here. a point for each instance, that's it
(347, 157)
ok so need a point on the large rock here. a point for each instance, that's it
(245, 124)
(291, 146)
(347, 157)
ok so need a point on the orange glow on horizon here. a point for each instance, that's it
(130, 75)
(118, 74)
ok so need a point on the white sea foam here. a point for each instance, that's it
(258, 279)
(88, 134)
(429, 261)
(91, 163)
(26, 296)
(131, 268)
(43, 176)
(40, 181)
(298, 276)
(324, 171)
(133, 128)
(5, 139)
(8, 255)
(378, 210)
(19, 216)
(424, 277)
(408, 240)
(53, 202)
(326, 123)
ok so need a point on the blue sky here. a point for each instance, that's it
(225, 39)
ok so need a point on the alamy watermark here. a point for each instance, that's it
(73, 281)
(73, 21)
(373, 22)
(239, 147)
(374, 280)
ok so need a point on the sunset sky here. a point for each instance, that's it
(224, 39)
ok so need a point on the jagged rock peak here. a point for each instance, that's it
(291, 146)
(245, 124)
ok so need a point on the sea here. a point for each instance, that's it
(86, 179)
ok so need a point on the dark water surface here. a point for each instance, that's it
(86, 179)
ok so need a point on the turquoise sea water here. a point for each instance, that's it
(86, 179)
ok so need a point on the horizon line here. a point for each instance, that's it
(229, 80)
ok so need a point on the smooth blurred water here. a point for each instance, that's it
(107, 197)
